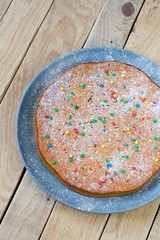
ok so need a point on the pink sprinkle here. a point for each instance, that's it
(139, 169)
(100, 182)
(46, 116)
(113, 123)
(112, 92)
(133, 168)
(74, 169)
(112, 96)
(97, 143)
(112, 174)
(138, 131)
(105, 70)
(134, 114)
(76, 131)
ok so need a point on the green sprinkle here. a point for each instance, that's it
(123, 171)
(155, 138)
(115, 173)
(47, 136)
(99, 118)
(83, 127)
(111, 178)
(70, 117)
(107, 73)
(72, 113)
(154, 120)
(155, 147)
(56, 109)
(137, 150)
(82, 155)
(142, 92)
(121, 100)
(113, 74)
(111, 114)
(82, 134)
(50, 117)
(72, 93)
(126, 157)
(70, 159)
(136, 146)
(89, 99)
(75, 107)
(79, 123)
(126, 145)
(69, 123)
(93, 120)
(103, 121)
(125, 102)
(37, 105)
(82, 86)
(133, 139)
(127, 180)
(54, 162)
(119, 140)
(107, 160)
(104, 100)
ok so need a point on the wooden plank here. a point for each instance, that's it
(114, 23)
(17, 31)
(144, 40)
(131, 225)
(30, 207)
(155, 231)
(4, 5)
(68, 223)
(65, 19)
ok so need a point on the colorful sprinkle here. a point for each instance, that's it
(82, 155)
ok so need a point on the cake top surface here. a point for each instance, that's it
(98, 127)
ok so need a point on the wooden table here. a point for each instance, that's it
(32, 34)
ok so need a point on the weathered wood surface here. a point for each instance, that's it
(69, 25)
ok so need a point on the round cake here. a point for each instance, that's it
(97, 128)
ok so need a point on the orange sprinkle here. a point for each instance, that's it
(63, 148)
(132, 132)
(137, 84)
(74, 136)
(98, 165)
(121, 148)
(140, 98)
(128, 90)
(147, 117)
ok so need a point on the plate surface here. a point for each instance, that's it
(26, 136)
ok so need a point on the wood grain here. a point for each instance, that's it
(30, 207)
(144, 40)
(68, 223)
(17, 31)
(113, 24)
(63, 30)
(155, 231)
(4, 5)
(131, 225)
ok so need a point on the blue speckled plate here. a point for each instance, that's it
(26, 136)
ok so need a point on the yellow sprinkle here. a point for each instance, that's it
(131, 84)
(47, 142)
(98, 150)
(146, 102)
(54, 108)
(109, 72)
(103, 160)
(61, 88)
(123, 75)
(98, 99)
(128, 133)
(67, 113)
(156, 159)
(114, 95)
(70, 155)
(66, 132)
(111, 82)
(95, 167)
(132, 119)
(136, 142)
(146, 161)
(88, 70)
(150, 140)
(132, 109)
(128, 128)
(103, 146)
(94, 111)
